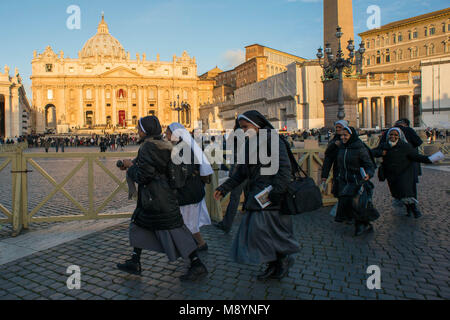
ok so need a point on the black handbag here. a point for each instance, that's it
(363, 205)
(302, 194)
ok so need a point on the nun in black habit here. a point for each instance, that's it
(157, 224)
(265, 236)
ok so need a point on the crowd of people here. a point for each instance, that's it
(104, 142)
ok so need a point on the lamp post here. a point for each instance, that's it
(177, 106)
(338, 64)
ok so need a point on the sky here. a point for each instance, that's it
(215, 32)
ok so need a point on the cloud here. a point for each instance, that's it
(232, 58)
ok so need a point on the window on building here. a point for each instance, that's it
(378, 60)
(426, 32)
(432, 49)
(108, 94)
(185, 95)
(49, 67)
(185, 71)
(133, 95)
(151, 94)
(394, 39)
(50, 94)
(409, 35)
(108, 68)
(443, 27)
(415, 35)
(368, 44)
(72, 94)
(400, 55)
(400, 38)
(368, 61)
(388, 56)
(88, 69)
(378, 42)
(134, 120)
(166, 72)
(71, 69)
(108, 104)
(89, 94)
(432, 31)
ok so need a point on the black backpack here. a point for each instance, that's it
(302, 194)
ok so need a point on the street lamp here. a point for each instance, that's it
(338, 64)
(177, 106)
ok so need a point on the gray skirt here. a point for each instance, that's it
(261, 236)
(174, 243)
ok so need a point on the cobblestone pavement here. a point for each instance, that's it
(413, 256)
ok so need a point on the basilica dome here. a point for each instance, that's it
(103, 44)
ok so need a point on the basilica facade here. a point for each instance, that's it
(104, 88)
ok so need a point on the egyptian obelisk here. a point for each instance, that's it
(339, 13)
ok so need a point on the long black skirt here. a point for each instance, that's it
(261, 236)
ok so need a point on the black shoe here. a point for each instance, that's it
(196, 271)
(283, 267)
(203, 247)
(349, 222)
(415, 210)
(222, 227)
(409, 210)
(270, 270)
(360, 229)
(131, 266)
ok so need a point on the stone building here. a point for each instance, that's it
(393, 80)
(15, 110)
(261, 63)
(105, 88)
(291, 99)
(402, 45)
(436, 93)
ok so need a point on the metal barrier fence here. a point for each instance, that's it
(20, 216)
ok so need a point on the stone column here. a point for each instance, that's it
(129, 109)
(144, 102)
(411, 110)
(8, 116)
(81, 113)
(103, 107)
(114, 109)
(382, 113)
(363, 116)
(375, 116)
(97, 107)
(368, 123)
(396, 110)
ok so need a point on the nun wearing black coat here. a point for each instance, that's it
(157, 223)
(352, 156)
(399, 165)
(265, 236)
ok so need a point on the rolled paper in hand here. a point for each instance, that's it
(438, 156)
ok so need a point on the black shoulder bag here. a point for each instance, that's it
(302, 194)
